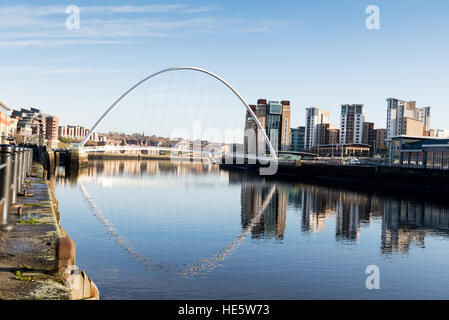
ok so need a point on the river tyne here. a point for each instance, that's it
(171, 230)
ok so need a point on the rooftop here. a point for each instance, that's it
(426, 142)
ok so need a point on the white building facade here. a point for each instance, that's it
(314, 117)
(399, 110)
(352, 118)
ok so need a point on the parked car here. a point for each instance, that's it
(354, 161)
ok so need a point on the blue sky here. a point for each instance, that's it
(313, 53)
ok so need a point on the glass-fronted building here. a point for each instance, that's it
(297, 139)
(419, 152)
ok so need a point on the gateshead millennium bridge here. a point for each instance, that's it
(273, 155)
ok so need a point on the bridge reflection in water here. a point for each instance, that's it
(323, 221)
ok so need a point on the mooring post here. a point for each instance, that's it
(19, 169)
(6, 153)
(26, 161)
(24, 167)
(30, 160)
(15, 172)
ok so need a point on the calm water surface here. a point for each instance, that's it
(163, 230)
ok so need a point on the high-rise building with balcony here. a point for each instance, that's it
(403, 118)
(380, 146)
(327, 134)
(51, 128)
(423, 114)
(314, 118)
(297, 139)
(351, 123)
(274, 116)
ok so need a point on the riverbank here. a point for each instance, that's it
(37, 257)
(428, 182)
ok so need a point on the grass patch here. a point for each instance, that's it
(33, 205)
(30, 181)
(31, 221)
(42, 205)
(22, 278)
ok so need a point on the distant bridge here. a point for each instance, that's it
(137, 149)
(237, 157)
(251, 112)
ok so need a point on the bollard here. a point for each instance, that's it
(27, 160)
(6, 153)
(23, 167)
(14, 173)
(30, 160)
(19, 171)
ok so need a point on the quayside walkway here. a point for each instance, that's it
(36, 255)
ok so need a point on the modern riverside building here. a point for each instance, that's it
(424, 116)
(12, 131)
(380, 145)
(423, 153)
(327, 134)
(338, 150)
(35, 127)
(4, 122)
(76, 133)
(285, 125)
(351, 124)
(51, 128)
(274, 116)
(369, 135)
(403, 118)
(314, 118)
(440, 133)
(297, 139)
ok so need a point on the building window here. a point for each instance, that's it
(445, 165)
(405, 157)
(437, 160)
(412, 161)
(420, 159)
(429, 164)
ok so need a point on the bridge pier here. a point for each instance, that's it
(78, 159)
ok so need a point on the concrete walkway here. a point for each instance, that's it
(30, 258)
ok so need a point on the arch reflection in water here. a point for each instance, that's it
(118, 238)
(267, 198)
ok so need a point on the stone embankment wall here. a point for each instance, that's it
(37, 257)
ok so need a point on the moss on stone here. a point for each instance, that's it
(22, 278)
(31, 221)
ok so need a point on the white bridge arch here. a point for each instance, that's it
(109, 110)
